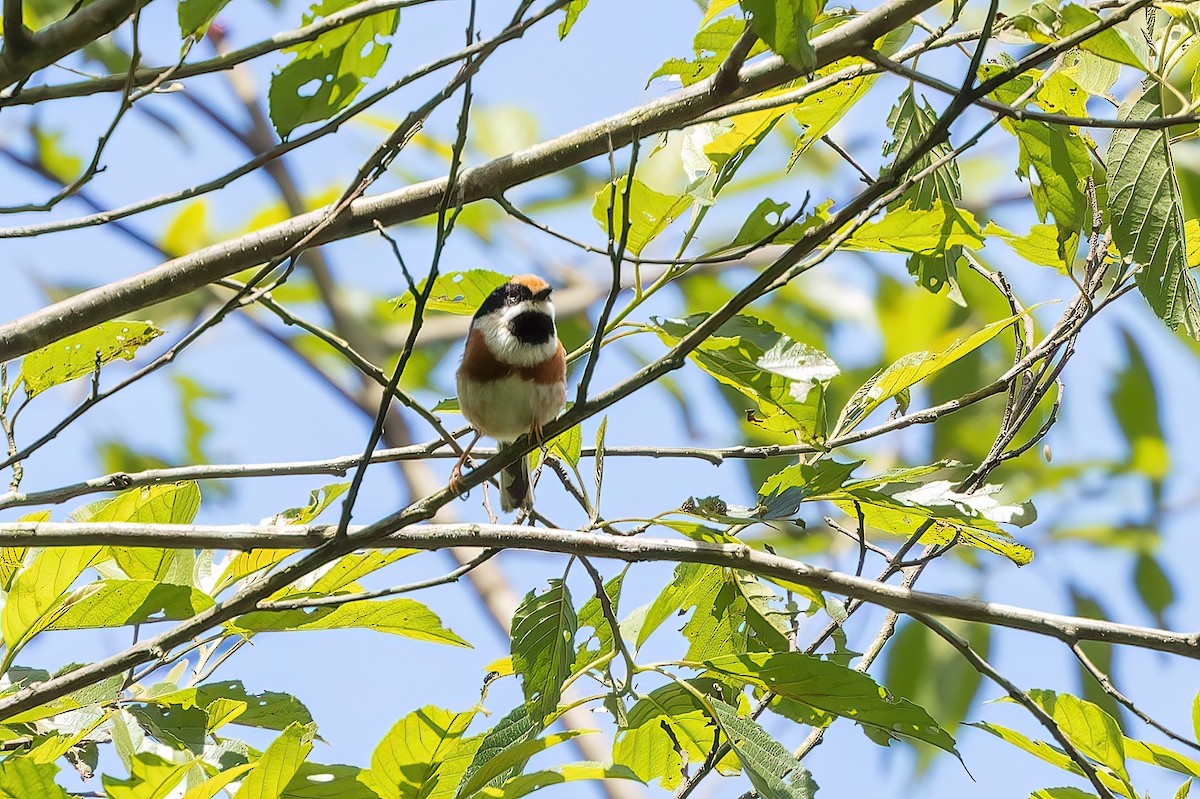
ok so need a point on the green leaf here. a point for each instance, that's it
(406, 763)
(773, 771)
(666, 727)
(1094, 732)
(176, 503)
(785, 378)
(1154, 587)
(1061, 793)
(1057, 153)
(1147, 214)
(711, 46)
(500, 761)
(1109, 44)
(515, 729)
(1050, 754)
(543, 646)
(834, 689)
(903, 514)
(568, 445)
(909, 370)
(150, 777)
(571, 14)
(784, 25)
(271, 710)
(21, 778)
(909, 229)
(320, 781)
(650, 212)
(328, 72)
(196, 15)
(526, 784)
(318, 500)
(459, 293)
(38, 594)
(405, 617)
(218, 782)
(279, 764)
(1039, 247)
(78, 355)
(591, 615)
(116, 603)
(1196, 716)
(1158, 755)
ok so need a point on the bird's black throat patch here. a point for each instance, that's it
(532, 327)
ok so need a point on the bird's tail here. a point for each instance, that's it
(516, 490)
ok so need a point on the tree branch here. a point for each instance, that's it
(182, 275)
(63, 38)
(1068, 629)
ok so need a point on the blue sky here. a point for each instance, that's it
(357, 684)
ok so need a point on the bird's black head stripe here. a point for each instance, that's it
(508, 294)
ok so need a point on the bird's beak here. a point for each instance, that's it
(542, 295)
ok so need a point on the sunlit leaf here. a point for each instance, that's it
(459, 293)
(278, 764)
(1147, 214)
(405, 617)
(543, 646)
(116, 603)
(79, 355)
(328, 72)
(650, 212)
(406, 763)
(784, 26)
(773, 771)
(835, 689)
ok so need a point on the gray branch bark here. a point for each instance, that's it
(188, 273)
(1068, 629)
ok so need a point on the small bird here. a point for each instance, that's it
(512, 380)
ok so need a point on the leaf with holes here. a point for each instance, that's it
(328, 72)
(79, 355)
(543, 646)
(459, 293)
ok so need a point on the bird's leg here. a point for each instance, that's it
(456, 472)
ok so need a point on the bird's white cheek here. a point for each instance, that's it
(508, 348)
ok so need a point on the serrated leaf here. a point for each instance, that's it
(650, 211)
(834, 689)
(279, 763)
(406, 763)
(515, 729)
(909, 370)
(1109, 44)
(711, 46)
(1158, 755)
(1047, 753)
(543, 646)
(1147, 214)
(328, 72)
(773, 771)
(503, 762)
(784, 25)
(591, 615)
(1039, 247)
(78, 355)
(405, 617)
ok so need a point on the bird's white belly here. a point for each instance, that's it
(508, 408)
